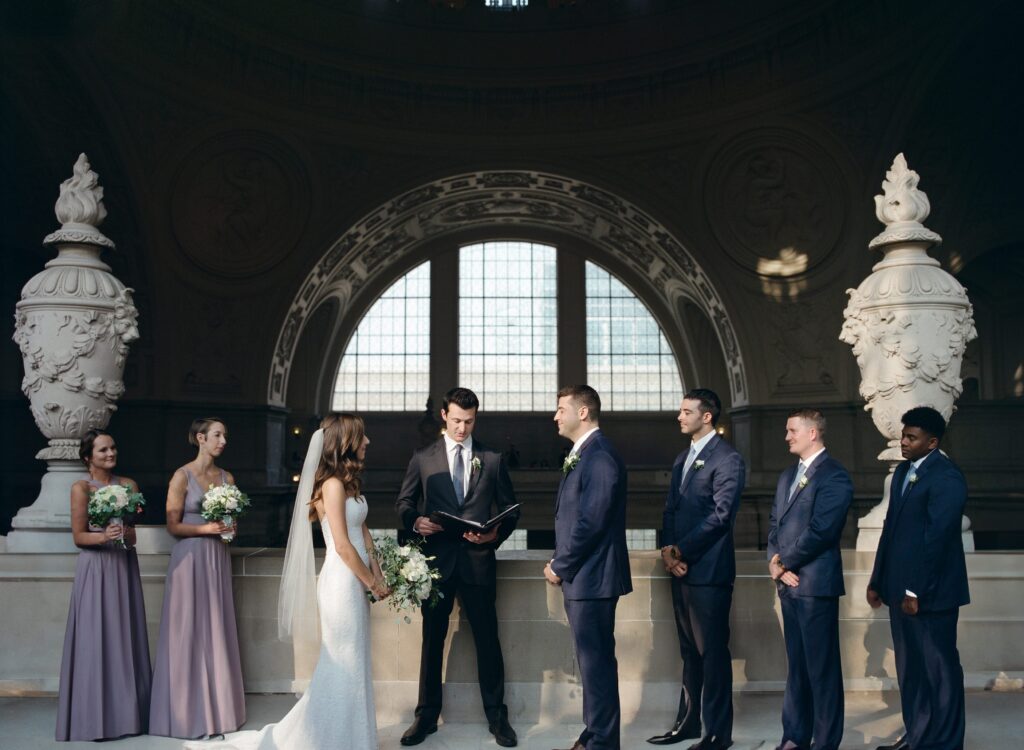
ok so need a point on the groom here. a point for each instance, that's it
(462, 477)
(590, 562)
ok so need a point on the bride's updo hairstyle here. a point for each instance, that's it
(343, 436)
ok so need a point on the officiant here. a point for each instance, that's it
(459, 476)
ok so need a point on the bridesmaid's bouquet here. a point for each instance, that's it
(111, 504)
(407, 574)
(224, 503)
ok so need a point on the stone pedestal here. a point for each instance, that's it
(73, 325)
(909, 323)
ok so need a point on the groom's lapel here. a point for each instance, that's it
(565, 474)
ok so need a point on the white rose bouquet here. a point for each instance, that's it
(111, 504)
(407, 573)
(224, 503)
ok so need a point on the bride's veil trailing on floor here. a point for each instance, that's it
(298, 619)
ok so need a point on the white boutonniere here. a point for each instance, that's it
(803, 481)
(475, 465)
(698, 464)
(913, 479)
(570, 462)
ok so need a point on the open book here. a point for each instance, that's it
(455, 523)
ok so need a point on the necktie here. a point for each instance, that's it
(800, 469)
(459, 476)
(906, 481)
(690, 458)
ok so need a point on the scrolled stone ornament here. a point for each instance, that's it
(908, 323)
(73, 325)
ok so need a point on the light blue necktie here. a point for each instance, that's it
(690, 458)
(800, 469)
(906, 480)
(459, 476)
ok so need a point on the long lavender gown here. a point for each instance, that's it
(197, 676)
(104, 673)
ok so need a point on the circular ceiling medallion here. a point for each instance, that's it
(239, 204)
(775, 202)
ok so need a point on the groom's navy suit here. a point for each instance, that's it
(921, 550)
(699, 517)
(592, 561)
(467, 569)
(804, 529)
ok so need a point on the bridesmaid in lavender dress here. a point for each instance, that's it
(104, 674)
(197, 676)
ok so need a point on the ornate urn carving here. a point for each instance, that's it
(73, 325)
(909, 323)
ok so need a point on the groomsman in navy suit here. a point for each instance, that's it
(697, 534)
(590, 561)
(804, 528)
(921, 575)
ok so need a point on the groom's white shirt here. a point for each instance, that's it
(576, 446)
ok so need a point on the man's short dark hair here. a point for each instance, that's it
(461, 397)
(928, 419)
(709, 402)
(812, 416)
(583, 395)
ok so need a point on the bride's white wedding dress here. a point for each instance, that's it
(337, 710)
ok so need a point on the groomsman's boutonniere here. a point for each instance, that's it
(803, 481)
(913, 479)
(698, 464)
(570, 462)
(474, 465)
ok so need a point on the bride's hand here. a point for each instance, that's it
(380, 590)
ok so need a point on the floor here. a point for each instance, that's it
(993, 721)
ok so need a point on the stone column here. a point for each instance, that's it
(909, 323)
(73, 325)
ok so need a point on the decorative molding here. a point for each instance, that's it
(507, 198)
(239, 204)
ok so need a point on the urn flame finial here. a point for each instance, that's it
(80, 208)
(902, 207)
(81, 197)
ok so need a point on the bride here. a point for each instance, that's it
(336, 710)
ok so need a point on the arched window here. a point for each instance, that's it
(386, 366)
(629, 361)
(508, 325)
(503, 340)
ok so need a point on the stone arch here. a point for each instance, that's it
(507, 199)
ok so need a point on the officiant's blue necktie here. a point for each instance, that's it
(800, 469)
(459, 476)
(690, 458)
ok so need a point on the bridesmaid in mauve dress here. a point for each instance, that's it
(104, 673)
(197, 676)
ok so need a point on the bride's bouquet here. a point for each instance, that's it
(111, 504)
(224, 503)
(407, 574)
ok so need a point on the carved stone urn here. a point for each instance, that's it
(73, 325)
(909, 323)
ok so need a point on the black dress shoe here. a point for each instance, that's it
(418, 731)
(503, 732)
(711, 743)
(680, 731)
(900, 744)
(577, 745)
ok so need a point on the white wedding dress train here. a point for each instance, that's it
(337, 710)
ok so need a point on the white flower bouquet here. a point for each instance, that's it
(111, 504)
(224, 503)
(407, 573)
